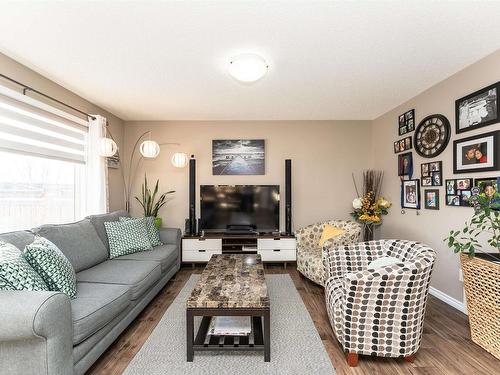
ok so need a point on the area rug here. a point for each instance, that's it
(296, 347)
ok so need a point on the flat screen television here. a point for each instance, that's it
(240, 208)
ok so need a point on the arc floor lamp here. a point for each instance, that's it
(148, 149)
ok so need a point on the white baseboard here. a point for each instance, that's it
(461, 306)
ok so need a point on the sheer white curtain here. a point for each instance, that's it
(96, 194)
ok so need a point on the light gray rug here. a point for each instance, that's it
(296, 347)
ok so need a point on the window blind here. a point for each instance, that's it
(28, 129)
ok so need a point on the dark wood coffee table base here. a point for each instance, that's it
(258, 340)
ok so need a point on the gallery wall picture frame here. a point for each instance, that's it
(238, 157)
(405, 164)
(432, 173)
(406, 122)
(489, 187)
(479, 153)
(411, 194)
(431, 199)
(479, 109)
(402, 145)
(458, 192)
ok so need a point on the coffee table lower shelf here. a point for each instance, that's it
(257, 340)
(253, 342)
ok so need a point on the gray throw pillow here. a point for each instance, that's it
(127, 237)
(52, 265)
(15, 272)
(153, 232)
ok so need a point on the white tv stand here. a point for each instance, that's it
(272, 248)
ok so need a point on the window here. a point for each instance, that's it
(36, 190)
(42, 164)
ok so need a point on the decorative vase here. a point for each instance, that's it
(368, 232)
(482, 288)
(158, 222)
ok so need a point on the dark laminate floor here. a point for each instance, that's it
(446, 345)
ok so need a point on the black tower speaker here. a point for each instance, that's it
(288, 196)
(192, 195)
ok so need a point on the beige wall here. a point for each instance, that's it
(323, 153)
(432, 226)
(27, 76)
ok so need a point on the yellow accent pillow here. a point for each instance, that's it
(329, 231)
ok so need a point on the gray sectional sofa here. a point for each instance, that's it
(47, 333)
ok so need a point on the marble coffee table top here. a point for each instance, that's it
(231, 281)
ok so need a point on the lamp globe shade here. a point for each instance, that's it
(149, 149)
(179, 160)
(107, 147)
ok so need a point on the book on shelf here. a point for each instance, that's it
(230, 326)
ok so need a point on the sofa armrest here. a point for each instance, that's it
(170, 236)
(36, 332)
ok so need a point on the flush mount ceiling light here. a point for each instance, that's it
(248, 67)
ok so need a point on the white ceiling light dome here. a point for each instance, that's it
(150, 149)
(248, 67)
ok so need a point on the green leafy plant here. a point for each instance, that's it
(486, 219)
(147, 200)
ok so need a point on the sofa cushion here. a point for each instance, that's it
(51, 264)
(127, 237)
(95, 306)
(15, 272)
(99, 220)
(153, 232)
(78, 241)
(19, 238)
(138, 275)
(165, 254)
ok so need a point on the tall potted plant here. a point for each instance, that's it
(148, 202)
(481, 270)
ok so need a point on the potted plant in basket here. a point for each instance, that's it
(148, 203)
(481, 270)
(369, 208)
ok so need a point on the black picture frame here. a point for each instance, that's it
(250, 152)
(431, 173)
(435, 194)
(407, 191)
(458, 191)
(404, 168)
(403, 145)
(485, 100)
(406, 122)
(479, 142)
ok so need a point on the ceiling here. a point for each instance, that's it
(156, 60)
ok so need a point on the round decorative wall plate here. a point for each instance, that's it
(432, 136)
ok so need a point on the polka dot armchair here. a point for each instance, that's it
(378, 311)
(310, 255)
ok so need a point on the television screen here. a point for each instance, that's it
(240, 207)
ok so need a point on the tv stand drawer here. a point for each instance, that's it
(195, 244)
(199, 255)
(277, 255)
(278, 243)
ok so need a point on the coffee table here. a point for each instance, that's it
(230, 285)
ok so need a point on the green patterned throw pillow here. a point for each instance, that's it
(15, 272)
(52, 265)
(127, 237)
(153, 232)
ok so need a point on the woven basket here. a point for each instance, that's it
(482, 288)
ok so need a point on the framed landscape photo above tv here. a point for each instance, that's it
(481, 108)
(238, 157)
(479, 153)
